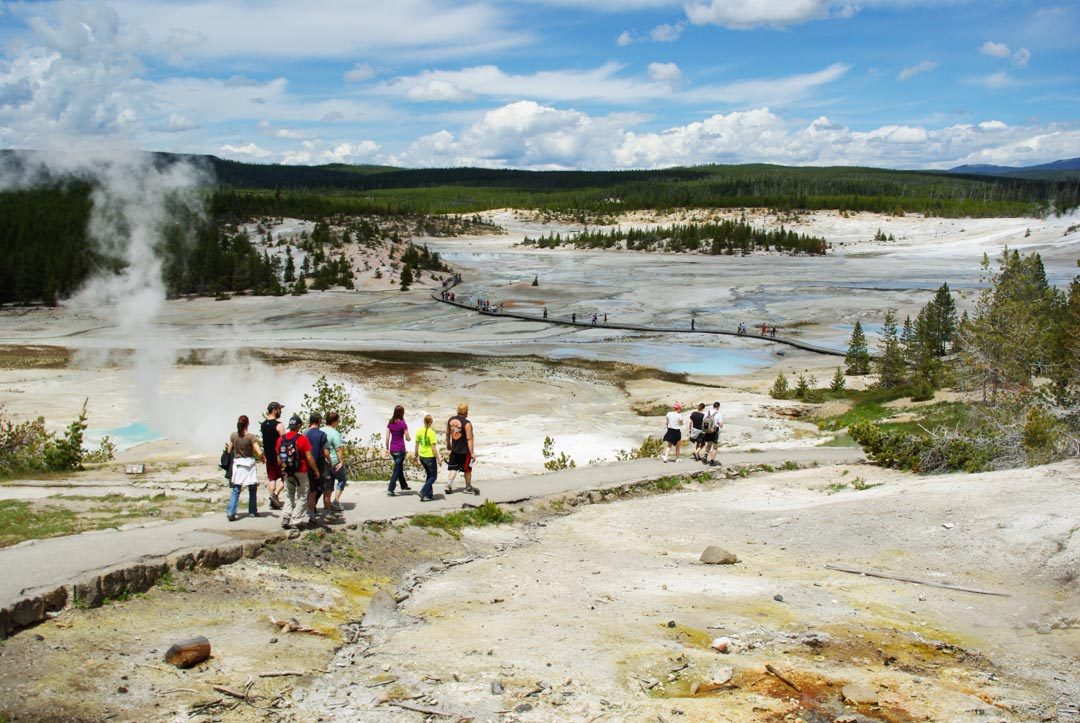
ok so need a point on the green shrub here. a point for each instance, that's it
(780, 389)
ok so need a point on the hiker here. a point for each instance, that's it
(245, 449)
(605, 317)
(693, 324)
(696, 420)
(773, 332)
(673, 436)
(460, 443)
(294, 458)
(573, 318)
(427, 454)
(397, 433)
(764, 328)
(319, 474)
(710, 434)
(337, 460)
(594, 319)
(272, 429)
(545, 312)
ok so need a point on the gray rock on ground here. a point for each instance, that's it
(714, 555)
(381, 611)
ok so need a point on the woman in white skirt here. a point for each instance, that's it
(246, 451)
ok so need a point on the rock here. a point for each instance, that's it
(1043, 629)
(721, 676)
(671, 623)
(496, 688)
(859, 694)
(722, 645)
(714, 555)
(381, 611)
(523, 708)
(186, 653)
(947, 525)
(778, 598)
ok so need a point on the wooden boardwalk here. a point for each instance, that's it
(587, 324)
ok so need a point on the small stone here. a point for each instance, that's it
(714, 555)
(496, 688)
(386, 667)
(273, 640)
(671, 623)
(543, 684)
(523, 708)
(318, 564)
(456, 677)
(859, 694)
(778, 598)
(38, 636)
(1043, 629)
(122, 689)
(327, 548)
(948, 525)
(722, 645)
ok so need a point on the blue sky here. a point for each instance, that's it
(550, 83)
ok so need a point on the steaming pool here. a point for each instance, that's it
(125, 437)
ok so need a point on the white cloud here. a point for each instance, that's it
(746, 14)
(526, 134)
(666, 33)
(176, 123)
(914, 70)
(995, 50)
(318, 152)
(604, 83)
(1021, 57)
(625, 38)
(248, 151)
(268, 129)
(332, 116)
(326, 29)
(665, 73)
(995, 81)
(359, 73)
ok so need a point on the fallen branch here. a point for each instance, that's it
(420, 709)
(786, 681)
(177, 690)
(292, 626)
(902, 578)
(231, 693)
(281, 673)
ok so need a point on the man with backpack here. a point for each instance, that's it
(295, 459)
(697, 421)
(459, 442)
(710, 434)
(272, 429)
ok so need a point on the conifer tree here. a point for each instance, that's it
(780, 388)
(891, 361)
(838, 383)
(857, 360)
(406, 277)
(290, 267)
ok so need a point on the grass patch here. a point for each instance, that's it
(19, 521)
(452, 523)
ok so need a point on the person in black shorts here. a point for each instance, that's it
(696, 419)
(460, 445)
(272, 429)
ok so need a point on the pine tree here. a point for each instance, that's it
(780, 388)
(891, 361)
(406, 277)
(802, 389)
(536, 281)
(857, 360)
(941, 320)
(907, 340)
(838, 383)
(290, 267)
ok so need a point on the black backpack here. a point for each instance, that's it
(289, 455)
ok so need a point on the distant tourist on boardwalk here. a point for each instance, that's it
(710, 434)
(697, 418)
(545, 312)
(673, 435)
(337, 460)
(319, 475)
(397, 433)
(245, 450)
(573, 318)
(294, 458)
(693, 324)
(773, 332)
(272, 429)
(460, 443)
(427, 454)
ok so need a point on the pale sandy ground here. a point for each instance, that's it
(599, 603)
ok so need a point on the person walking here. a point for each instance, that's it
(337, 459)
(673, 436)
(397, 433)
(272, 429)
(427, 454)
(460, 443)
(319, 474)
(710, 433)
(693, 323)
(245, 450)
(573, 318)
(295, 459)
(697, 418)
(545, 312)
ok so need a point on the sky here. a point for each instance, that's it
(549, 84)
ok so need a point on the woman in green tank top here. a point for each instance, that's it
(427, 454)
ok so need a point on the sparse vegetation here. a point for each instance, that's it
(452, 523)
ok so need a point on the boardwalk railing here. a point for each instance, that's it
(437, 294)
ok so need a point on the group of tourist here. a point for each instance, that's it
(304, 467)
(703, 429)
(765, 329)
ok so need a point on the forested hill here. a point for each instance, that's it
(463, 190)
(784, 188)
